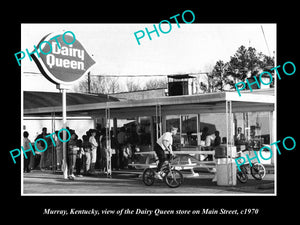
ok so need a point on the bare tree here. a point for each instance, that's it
(113, 85)
(99, 84)
(156, 83)
(132, 85)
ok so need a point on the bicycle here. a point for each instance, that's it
(257, 170)
(171, 177)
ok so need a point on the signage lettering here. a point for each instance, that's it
(60, 57)
(141, 34)
(242, 85)
(41, 50)
(13, 156)
(239, 163)
(53, 60)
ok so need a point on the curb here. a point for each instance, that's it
(266, 186)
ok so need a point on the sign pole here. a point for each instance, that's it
(64, 112)
(64, 115)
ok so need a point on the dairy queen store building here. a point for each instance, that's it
(243, 123)
(146, 117)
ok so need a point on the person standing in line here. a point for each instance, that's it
(72, 152)
(204, 133)
(94, 146)
(86, 145)
(127, 155)
(103, 153)
(162, 144)
(41, 145)
(239, 138)
(121, 138)
(79, 158)
(59, 151)
(26, 145)
(115, 163)
(209, 141)
(97, 137)
(217, 140)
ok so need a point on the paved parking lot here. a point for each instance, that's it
(39, 183)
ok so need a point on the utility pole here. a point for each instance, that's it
(89, 82)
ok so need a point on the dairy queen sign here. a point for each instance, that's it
(62, 58)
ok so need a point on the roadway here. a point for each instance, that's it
(48, 183)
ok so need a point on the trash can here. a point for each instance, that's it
(226, 167)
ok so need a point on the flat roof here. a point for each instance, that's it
(40, 99)
(207, 98)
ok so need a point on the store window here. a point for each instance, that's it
(211, 122)
(187, 135)
(252, 129)
(189, 130)
(143, 130)
(138, 131)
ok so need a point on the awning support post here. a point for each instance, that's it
(108, 142)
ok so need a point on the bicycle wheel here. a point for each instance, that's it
(241, 175)
(148, 176)
(173, 178)
(258, 171)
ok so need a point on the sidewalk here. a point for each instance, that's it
(47, 182)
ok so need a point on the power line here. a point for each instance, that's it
(265, 39)
(131, 75)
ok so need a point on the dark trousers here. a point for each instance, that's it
(115, 159)
(103, 159)
(71, 160)
(27, 162)
(79, 165)
(161, 156)
(121, 156)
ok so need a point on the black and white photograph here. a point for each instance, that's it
(154, 113)
(155, 117)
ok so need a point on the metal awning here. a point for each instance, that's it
(40, 99)
(208, 101)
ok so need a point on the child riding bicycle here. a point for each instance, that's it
(164, 143)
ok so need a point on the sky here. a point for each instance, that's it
(192, 48)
